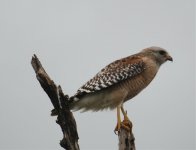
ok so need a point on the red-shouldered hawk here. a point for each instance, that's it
(120, 81)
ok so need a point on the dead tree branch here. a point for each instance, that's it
(60, 102)
(126, 137)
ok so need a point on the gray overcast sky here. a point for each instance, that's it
(74, 40)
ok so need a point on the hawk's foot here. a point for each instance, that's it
(125, 124)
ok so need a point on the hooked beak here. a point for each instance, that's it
(168, 57)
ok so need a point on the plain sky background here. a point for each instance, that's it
(74, 40)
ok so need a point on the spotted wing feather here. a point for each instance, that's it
(113, 73)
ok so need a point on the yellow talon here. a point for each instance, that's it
(126, 123)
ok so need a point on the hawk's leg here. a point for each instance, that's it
(118, 126)
(117, 129)
(126, 123)
(124, 113)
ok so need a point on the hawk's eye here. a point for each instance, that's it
(162, 52)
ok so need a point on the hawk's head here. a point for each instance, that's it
(159, 54)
